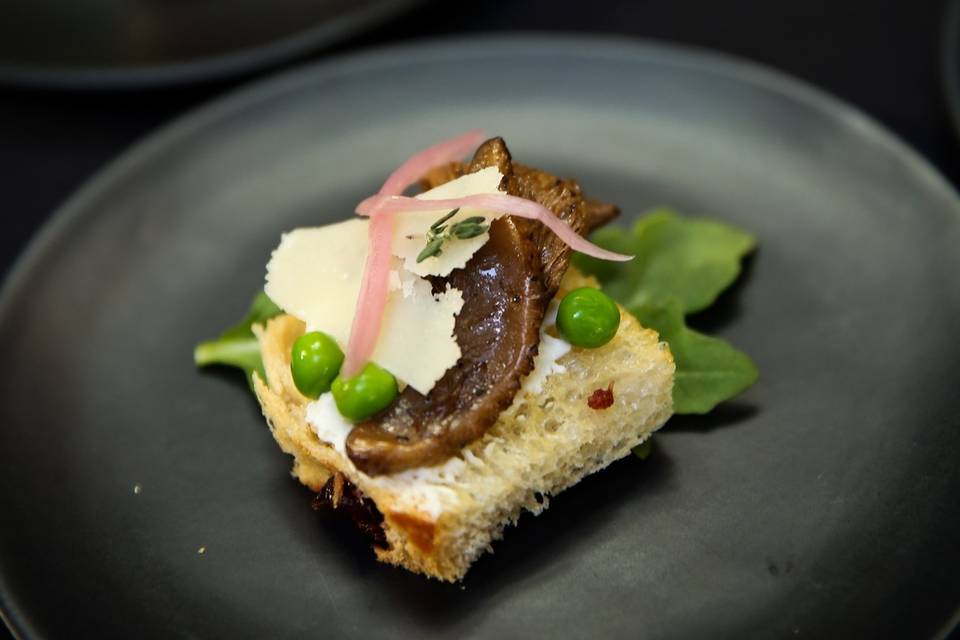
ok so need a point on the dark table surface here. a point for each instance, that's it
(882, 56)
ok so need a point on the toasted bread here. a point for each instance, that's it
(438, 520)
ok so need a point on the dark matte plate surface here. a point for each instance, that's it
(950, 60)
(821, 503)
(114, 43)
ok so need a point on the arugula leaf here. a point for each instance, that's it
(709, 370)
(644, 449)
(681, 266)
(261, 309)
(237, 346)
(687, 259)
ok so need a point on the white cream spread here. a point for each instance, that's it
(548, 354)
(419, 487)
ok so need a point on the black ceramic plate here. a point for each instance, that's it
(822, 503)
(950, 60)
(116, 43)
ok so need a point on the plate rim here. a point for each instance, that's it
(596, 47)
(244, 60)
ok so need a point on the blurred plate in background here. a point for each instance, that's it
(150, 42)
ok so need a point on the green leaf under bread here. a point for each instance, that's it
(261, 309)
(237, 346)
(644, 449)
(681, 266)
(690, 260)
(709, 370)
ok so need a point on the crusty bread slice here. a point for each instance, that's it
(439, 520)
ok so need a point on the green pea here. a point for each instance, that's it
(314, 363)
(365, 394)
(588, 318)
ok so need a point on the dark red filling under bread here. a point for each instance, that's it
(342, 496)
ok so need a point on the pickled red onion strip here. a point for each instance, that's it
(441, 153)
(381, 205)
(372, 299)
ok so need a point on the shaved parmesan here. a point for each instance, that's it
(315, 275)
(416, 342)
(410, 228)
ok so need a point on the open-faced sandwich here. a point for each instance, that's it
(436, 366)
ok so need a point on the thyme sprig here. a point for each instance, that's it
(439, 233)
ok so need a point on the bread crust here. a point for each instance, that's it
(439, 520)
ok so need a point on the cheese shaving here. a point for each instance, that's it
(315, 275)
(410, 227)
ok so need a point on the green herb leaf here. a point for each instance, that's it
(465, 232)
(439, 233)
(709, 370)
(237, 346)
(687, 259)
(644, 449)
(436, 225)
(433, 248)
